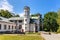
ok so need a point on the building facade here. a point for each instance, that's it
(21, 24)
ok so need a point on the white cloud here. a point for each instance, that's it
(4, 4)
(21, 14)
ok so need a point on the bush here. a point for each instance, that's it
(58, 31)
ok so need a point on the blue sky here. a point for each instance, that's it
(41, 6)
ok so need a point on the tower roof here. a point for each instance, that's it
(26, 8)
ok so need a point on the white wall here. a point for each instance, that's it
(7, 24)
(32, 27)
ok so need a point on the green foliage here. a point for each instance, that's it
(50, 23)
(31, 21)
(58, 31)
(34, 15)
(17, 15)
(7, 14)
(58, 13)
(58, 21)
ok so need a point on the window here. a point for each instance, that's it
(26, 13)
(15, 27)
(20, 26)
(9, 27)
(0, 26)
(15, 21)
(25, 19)
(11, 20)
(12, 27)
(26, 28)
(20, 21)
(25, 24)
(0, 18)
(4, 26)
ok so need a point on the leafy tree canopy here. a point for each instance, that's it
(6, 14)
(37, 14)
(17, 15)
(50, 23)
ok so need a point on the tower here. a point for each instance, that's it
(26, 18)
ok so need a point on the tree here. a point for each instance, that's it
(17, 15)
(58, 13)
(37, 14)
(58, 20)
(5, 13)
(50, 22)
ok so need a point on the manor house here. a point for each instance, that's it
(27, 23)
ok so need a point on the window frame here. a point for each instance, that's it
(0, 26)
(5, 27)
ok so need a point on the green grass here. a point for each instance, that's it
(20, 37)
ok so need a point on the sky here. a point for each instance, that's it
(36, 6)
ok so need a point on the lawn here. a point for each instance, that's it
(20, 37)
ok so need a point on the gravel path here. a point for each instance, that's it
(51, 37)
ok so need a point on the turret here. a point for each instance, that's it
(26, 17)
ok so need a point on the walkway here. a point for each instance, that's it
(51, 37)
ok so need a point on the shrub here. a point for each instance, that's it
(58, 31)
